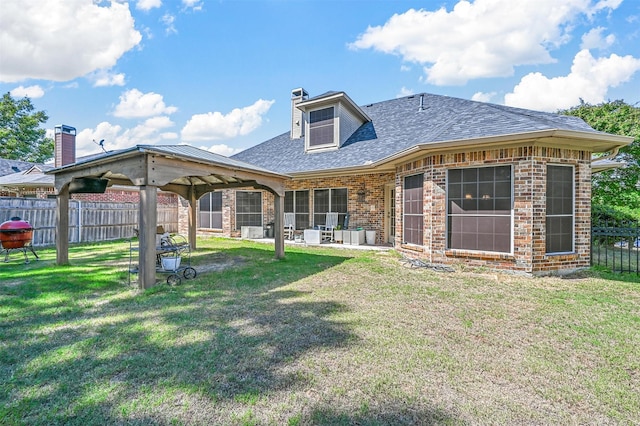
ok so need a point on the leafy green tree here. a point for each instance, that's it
(21, 137)
(618, 187)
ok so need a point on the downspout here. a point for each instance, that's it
(609, 156)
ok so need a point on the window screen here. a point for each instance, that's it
(559, 233)
(321, 127)
(479, 209)
(413, 209)
(298, 202)
(210, 210)
(248, 209)
(329, 200)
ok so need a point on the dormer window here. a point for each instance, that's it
(321, 127)
(329, 120)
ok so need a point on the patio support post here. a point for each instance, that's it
(279, 225)
(148, 219)
(62, 226)
(193, 203)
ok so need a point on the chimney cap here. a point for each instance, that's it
(63, 128)
(299, 92)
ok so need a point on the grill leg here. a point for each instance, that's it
(33, 251)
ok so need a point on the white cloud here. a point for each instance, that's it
(589, 80)
(116, 137)
(134, 103)
(103, 78)
(148, 4)
(404, 92)
(594, 39)
(486, 38)
(32, 92)
(195, 5)
(405, 68)
(88, 37)
(483, 96)
(168, 20)
(222, 149)
(215, 125)
(85, 139)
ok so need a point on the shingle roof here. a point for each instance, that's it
(8, 167)
(399, 124)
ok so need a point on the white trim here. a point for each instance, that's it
(573, 210)
(236, 208)
(313, 198)
(335, 124)
(404, 192)
(511, 209)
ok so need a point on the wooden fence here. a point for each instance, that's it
(88, 221)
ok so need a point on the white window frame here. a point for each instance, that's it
(261, 208)
(211, 212)
(336, 130)
(313, 198)
(511, 209)
(573, 210)
(295, 212)
(404, 213)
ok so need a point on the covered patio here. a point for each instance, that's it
(182, 169)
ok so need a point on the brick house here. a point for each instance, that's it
(442, 179)
(30, 180)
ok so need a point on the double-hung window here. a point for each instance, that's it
(413, 210)
(248, 209)
(479, 209)
(298, 202)
(210, 210)
(560, 220)
(329, 200)
(321, 124)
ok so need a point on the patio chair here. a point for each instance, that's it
(289, 225)
(330, 223)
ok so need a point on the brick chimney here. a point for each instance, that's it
(65, 139)
(297, 116)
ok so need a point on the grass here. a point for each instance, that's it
(322, 337)
(616, 258)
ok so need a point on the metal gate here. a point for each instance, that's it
(616, 246)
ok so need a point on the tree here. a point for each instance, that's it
(618, 187)
(21, 137)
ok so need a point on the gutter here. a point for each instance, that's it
(387, 164)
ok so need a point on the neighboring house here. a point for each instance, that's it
(443, 179)
(13, 166)
(34, 183)
(28, 180)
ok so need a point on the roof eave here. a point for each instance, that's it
(305, 105)
(130, 152)
(607, 142)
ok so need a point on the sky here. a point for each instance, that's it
(218, 74)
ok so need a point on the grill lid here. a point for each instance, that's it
(15, 224)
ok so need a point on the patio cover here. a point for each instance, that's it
(185, 170)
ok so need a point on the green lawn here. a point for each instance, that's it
(323, 337)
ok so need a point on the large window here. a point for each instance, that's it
(298, 202)
(559, 235)
(413, 209)
(321, 127)
(329, 200)
(479, 209)
(248, 209)
(210, 210)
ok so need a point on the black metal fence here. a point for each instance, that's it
(616, 246)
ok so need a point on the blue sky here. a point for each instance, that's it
(219, 74)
